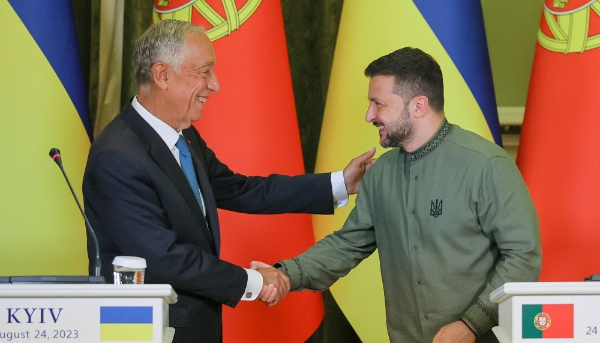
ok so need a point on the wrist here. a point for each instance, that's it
(468, 325)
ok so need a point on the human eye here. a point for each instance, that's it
(203, 71)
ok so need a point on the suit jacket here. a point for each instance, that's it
(140, 203)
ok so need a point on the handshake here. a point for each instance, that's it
(275, 283)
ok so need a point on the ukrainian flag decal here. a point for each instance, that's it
(126, 323)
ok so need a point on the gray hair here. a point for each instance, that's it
(162, 42)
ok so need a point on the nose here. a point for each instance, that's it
(213, 84)
(370, 115)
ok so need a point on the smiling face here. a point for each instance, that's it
(189, 89)
(389, 113)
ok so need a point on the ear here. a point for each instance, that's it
(161, 74)
(421, 104)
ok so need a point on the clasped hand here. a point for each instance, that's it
(275, 283)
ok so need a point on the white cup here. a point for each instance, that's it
(128, 270)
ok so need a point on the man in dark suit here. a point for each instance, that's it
(141, 201)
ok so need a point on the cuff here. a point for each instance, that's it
(338, 188)
(469, 327)
(254, 286)
(481, 318)
(294, 271)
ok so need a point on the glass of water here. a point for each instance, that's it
(128, 270)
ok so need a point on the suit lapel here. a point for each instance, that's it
(164, 158)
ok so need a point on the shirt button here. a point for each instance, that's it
(412, 212)
(414, 247)
(425, 317)
(415, 177)
(418, 283)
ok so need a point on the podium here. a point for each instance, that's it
(550, 311)
(85, 313)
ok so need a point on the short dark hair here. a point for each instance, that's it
(416, 73)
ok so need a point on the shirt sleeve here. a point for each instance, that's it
(335, 255)
(254, 286)
(507, 214)
(338, 188)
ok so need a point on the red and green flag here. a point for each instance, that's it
(547, 321)
(559, 146)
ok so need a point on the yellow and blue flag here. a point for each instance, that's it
(460, 30)
(126, 323)
(43, 105)
(453, 33)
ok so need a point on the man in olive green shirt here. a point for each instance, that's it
(447, 209)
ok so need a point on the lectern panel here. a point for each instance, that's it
(104, 314)
(571, 314)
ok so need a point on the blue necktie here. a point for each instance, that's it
(185, 158)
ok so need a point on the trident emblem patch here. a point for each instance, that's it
(187, 10)
(436, 208)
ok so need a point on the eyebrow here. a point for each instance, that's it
(208, 64)
(202, 67)
(205, 65)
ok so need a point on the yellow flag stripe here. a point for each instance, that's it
(126, 332)
(39, 218)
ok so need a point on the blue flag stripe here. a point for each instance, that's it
(52, 27)
(126, 314)
(460, 29)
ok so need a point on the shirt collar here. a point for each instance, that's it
(167, 133)
(432, 143)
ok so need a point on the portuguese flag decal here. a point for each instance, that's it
(548, 321)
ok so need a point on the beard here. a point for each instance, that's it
(402, 132)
